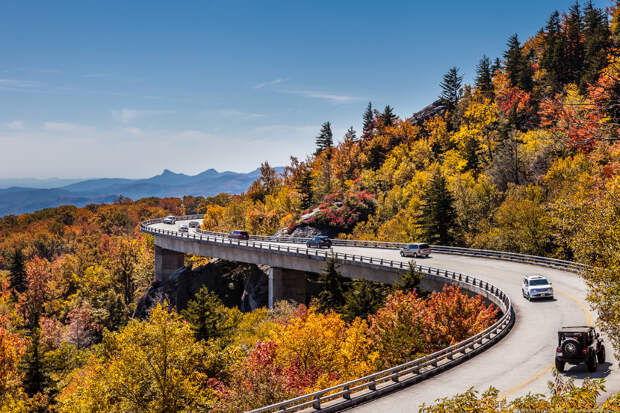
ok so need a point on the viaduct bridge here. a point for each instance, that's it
(515, 354)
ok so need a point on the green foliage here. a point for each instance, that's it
(325, 140)
(363, 298)
(208, 317)
(331, 296)
(17, 270)
(484, 77)
(451, 88)
(410, 280)
(437, 213)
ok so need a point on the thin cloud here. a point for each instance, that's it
(237, 114)
(16, 83)
(270, 83)
(127, 115)
(95, 75)
(323, 95)
(134, 131)
(60, 126)
(16, 125)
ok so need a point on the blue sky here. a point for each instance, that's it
(128, 88)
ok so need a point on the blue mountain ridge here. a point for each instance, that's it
(19, 200)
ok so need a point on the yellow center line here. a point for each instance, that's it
(548, 368)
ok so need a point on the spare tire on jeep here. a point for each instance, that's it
(571, 347)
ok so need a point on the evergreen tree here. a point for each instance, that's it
(451, 88)
(526, 75)
(17, 271)
(333, 285)
(438, 215)
(471, 151)
(34, 378)
(514, 61)
(325, 140)
(207, 315)
(484, 77)
(350, 135)
(597, 42)
(574, 45)
(497, 64)
(304, 188)
(388, 118)
(553, 53)
(409, 280)
(363, 298)
(368, 122)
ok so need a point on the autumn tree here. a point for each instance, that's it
(410, 280)
(153, 365)
(363, 298)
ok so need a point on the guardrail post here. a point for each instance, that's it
(347, 394)
(372, 385)
(316, 403)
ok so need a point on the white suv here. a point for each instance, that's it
(536, 286)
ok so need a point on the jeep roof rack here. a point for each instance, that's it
(575, 329)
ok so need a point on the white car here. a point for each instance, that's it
(170, 220)
(536, 286)
(184, 228)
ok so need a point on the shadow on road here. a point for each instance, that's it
(580, 371)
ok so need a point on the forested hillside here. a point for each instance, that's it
(526, 159)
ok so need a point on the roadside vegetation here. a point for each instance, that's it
(526, 160)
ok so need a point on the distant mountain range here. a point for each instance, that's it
(39, 194)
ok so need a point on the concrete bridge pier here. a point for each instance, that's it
(286, 284)
(167, 262)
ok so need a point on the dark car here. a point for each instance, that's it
(581, 344)
(194, 224)
(319, 242)
(243, 235)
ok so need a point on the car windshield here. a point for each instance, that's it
(539, 282)
(423, 246)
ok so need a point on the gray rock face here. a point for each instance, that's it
(238, 285)
(434, 109)
(306, 231)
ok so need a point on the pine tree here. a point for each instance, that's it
(368, 122)
(597, 42)
(451, 88)
(471, 152)
(388, 118)
(526, 75)
(409, 280)
(331, 296)
(207, 315)
(497, 64)
(514, 60)
(438, 215)
(484, 77)
(363, 298)
(34, 378)
(350, 135)
(553, 53)
(17, 271)
(325, 140)
(574, 45)
(304, 188)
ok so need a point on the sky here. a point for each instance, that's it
(129, 88)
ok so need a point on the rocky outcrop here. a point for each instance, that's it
(238, 285)
(434, 109)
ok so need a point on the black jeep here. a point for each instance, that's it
(577, 345)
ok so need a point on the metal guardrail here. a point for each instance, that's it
(373, 385)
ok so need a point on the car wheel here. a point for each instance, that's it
(415, 255)
(601, 355)
(559, 365)
(402, 254)
(592, 363)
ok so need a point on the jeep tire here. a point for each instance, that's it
(592, 363)
(559, 365)
(601, 355)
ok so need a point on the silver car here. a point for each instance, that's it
(415, 250)
(170, 219)
(184, 228)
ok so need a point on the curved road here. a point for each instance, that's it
(520, 363)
